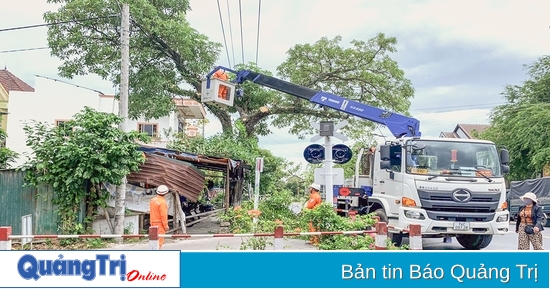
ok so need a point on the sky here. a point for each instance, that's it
(459, 55)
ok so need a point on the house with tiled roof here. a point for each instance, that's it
(464, 131)
(8, 83)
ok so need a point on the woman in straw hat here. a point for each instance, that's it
(530, 223)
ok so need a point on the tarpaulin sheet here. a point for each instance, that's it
(540, 187)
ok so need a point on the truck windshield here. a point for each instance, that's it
(432, 157)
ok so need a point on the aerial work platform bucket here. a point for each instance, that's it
(218, 92)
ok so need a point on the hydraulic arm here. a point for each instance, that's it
(399, 125)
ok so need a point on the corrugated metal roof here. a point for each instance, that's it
(181, 177)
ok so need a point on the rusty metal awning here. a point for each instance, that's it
(200, 161)
(181, 177)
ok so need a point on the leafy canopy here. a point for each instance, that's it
(88, 150)
(245, 149)
(166, 53)
(522, 123)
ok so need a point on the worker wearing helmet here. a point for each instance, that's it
(314, 197)
(158, 210)
(222, 90)
(312, 203)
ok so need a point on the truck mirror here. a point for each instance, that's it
(385, 165)
(504, 158)
(385, 152)
(505, 169)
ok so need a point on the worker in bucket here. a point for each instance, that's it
(158, 210)
(222, 90)
(312, 203)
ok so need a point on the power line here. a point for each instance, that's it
(241, 20)
(22, 49)
(49, 78)
(258, 35)
(223, 33)
(54, 23)
(231, 33)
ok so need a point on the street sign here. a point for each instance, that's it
(314, 154)
(341, 154)
(337, 176)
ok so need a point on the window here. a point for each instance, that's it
(453, 158)
(149, 128)
(63, 125)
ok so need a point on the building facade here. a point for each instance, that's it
(56, 102)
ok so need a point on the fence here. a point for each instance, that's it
(380, 231)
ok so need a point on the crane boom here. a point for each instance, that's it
(399, 125)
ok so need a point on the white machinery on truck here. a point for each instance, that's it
(451, 187)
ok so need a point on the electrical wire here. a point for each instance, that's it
(231, 32)
(23, 49)
(241, 20)
(223, 33)
(258, 35)
(55, 23)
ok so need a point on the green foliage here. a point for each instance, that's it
(325, 219)
(165, 51)
(6, 155)
(245, 149)
(88, 150)
(363, 72)
(274, 211)
(521, 125)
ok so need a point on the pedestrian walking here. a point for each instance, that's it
(530, 223)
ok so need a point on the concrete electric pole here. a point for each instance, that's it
(123, 112)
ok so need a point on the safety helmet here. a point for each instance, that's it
(162, 190)
(316, 187)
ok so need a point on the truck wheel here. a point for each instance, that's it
(474, 242)
(382, 215)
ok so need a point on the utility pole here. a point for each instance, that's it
(123, 113)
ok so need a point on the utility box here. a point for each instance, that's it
(218, 92)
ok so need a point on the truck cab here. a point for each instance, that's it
(451, 187)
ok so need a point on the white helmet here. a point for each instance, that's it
(162, 190)
(316, 187)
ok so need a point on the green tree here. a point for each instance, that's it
(230, 145)
(363, 72)
(6, 155)
(521, 125)
(166, 53)
(86, 151)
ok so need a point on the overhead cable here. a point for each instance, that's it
(54, 23)
(231, 33)
(241, 20)
(258, 35)
(223, 33)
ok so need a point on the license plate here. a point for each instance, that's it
(461, 226)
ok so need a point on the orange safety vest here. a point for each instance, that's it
(221, 75)
(158, 210)
(314, 200)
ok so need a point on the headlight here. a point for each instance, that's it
(414, 215)
(502, 218)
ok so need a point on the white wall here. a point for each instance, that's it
(53, 101)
